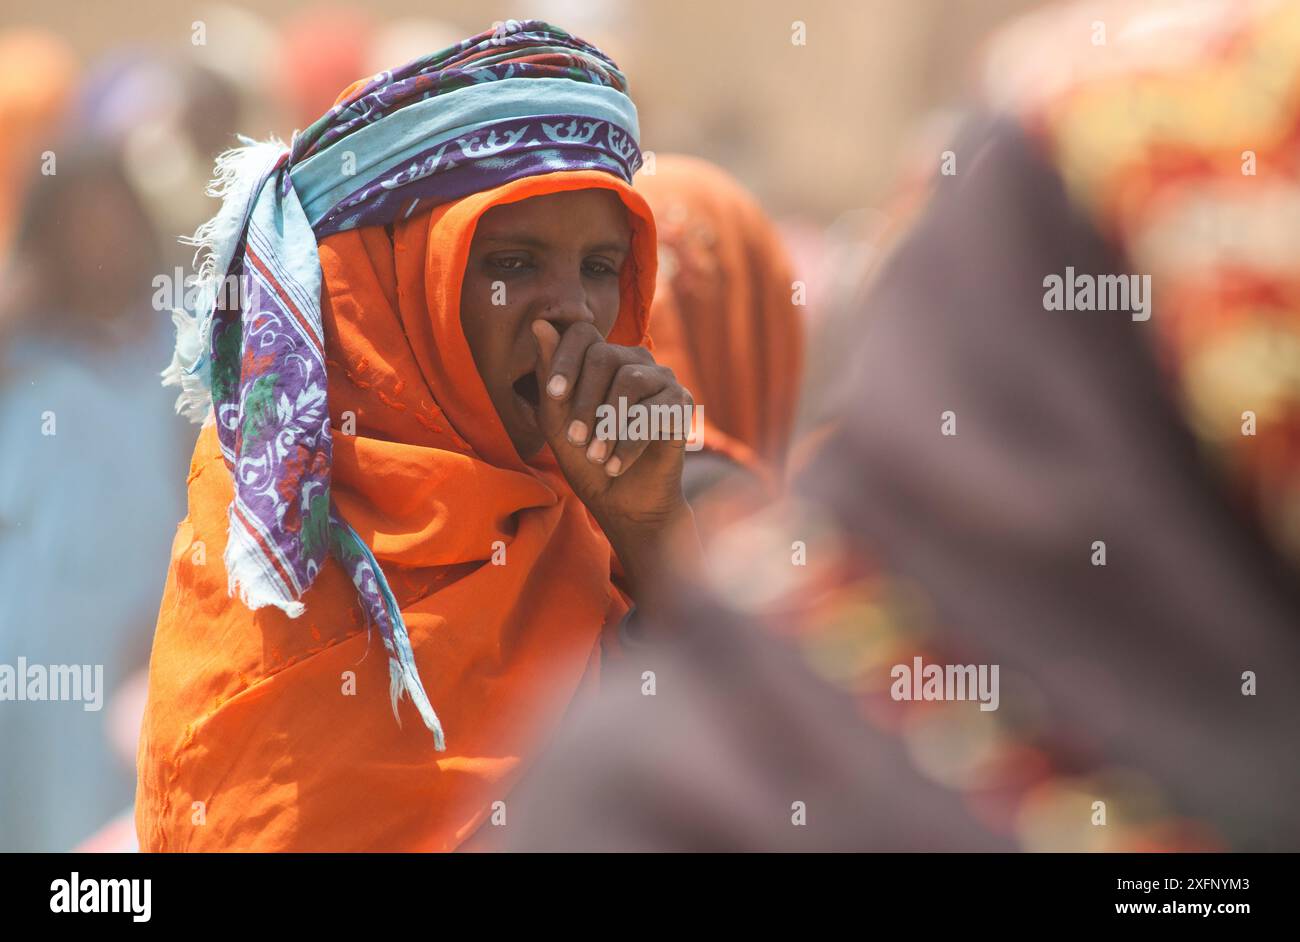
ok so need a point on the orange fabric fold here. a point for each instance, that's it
(269, 733)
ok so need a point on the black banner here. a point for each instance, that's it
(328, 891)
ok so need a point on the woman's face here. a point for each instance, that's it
(555, 258)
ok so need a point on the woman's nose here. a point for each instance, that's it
(565, 303)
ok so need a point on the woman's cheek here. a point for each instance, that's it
(609, 315)
(478, 290)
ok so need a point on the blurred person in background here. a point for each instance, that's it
(725, 320)
(320, 49)
(88, 488)
(165, 119)
(38, 74)
(1099, 502)
(161, 120)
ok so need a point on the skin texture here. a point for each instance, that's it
(555, 262)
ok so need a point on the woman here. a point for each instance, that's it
(484, 274)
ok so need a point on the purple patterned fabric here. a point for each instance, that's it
(454, 169)
(529, 49)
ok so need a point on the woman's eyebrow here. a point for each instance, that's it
(617, 245)
(513, 239)
(609, 245)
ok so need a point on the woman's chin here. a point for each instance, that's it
(530, 448)
(524, 429)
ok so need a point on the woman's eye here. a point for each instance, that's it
(600, 266)
(509, 263)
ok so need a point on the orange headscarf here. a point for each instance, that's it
(270, 733)
(725, 320)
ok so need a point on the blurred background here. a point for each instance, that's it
(829, 113)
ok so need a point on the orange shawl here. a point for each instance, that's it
(724, 317)
(269, 733)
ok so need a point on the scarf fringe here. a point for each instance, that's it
(237, 174)
(401, 680)
(237, 177)
(186, 370)
(403, 676)
(247, 577)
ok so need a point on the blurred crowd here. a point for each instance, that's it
(1069, 433)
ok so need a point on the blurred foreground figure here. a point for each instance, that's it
(725, 321)
(1074, 495)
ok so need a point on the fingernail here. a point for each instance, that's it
(597, 450)
(577, 432)
(557, 386)
(614, 466)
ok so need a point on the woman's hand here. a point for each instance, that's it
(625, 481)
(631, 484)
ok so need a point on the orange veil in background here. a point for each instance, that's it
(270, 733)
(725, 320)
